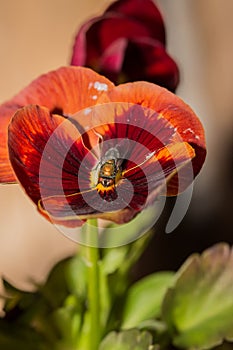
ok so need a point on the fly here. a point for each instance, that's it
(108, 172)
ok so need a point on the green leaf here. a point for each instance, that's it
(127, 340)
(76, 276)
(68, 318)
(114, 258)
(198, 310)
(145, 297)
(83, 339)
(105, 300)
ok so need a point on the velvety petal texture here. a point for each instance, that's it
(158, 66)
(145, 12)
(46, 152)
(127, 43)
(179, 115)
(64, 92)
(100, 150)
(6, 173)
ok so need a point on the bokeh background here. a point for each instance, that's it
(36, 36)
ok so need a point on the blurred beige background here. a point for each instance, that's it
(37, 36)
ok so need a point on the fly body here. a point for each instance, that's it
(108, 172)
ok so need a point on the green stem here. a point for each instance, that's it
(92, 257)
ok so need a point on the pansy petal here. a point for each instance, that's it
(113, 57)
(79, 55)
(133, 192)
(143, 11)
(170, 107)
(153, 64)
(80, 206)
(64, 92)
(134, 131)
(153, 176)
(165, 103)
(46, 152)
(115, 26)
(6, 173)
(98, 34)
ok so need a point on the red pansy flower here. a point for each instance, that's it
(127, 43)
(83, 148)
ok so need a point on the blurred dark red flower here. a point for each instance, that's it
(127, 43)
(82, 147)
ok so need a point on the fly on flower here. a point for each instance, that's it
(109, 169)
(82, 149)
(108, 172)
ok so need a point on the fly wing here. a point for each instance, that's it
(118, 150)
